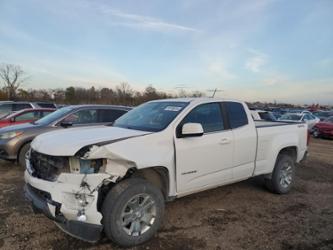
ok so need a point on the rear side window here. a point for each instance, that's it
(208, 115)
(110, 115)
(236, 114)
(20, 106)
(85, 116)
(32, 115)
(6, 108)
(46, 105)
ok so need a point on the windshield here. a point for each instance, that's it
(152, 116)
(290, 117)
(56, 115)
(267, 116)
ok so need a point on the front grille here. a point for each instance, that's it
(47, 167)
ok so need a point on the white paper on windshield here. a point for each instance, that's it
(173, 108)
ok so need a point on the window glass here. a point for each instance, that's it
(151, 116)
(236, 114)
(20, 106)
(6, 108)
(307, 117)
(208, 115)
(267, 116)
(28, 116)
(46, 105)
(45, 113)
(55, 116)
(110, 115)
(82, 117)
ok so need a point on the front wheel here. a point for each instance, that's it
(316, 133)
(283, 175)
(22, 153)
(132, 212)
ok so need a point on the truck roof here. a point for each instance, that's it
(196, 99)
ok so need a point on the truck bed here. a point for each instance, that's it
(274, 135)
(262, 124)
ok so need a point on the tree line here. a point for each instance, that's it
(12, 78)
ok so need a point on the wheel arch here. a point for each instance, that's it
(158, 176)
(289, 150)
(21, 147)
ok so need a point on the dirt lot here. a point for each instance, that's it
(238, 216)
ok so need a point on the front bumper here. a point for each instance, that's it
(41, 203)
(58, 201)
(9, 149)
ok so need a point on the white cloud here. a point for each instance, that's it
(218, 69)
(274, 79)
(256, 61)
(146, 22)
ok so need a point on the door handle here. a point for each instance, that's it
(225, 141)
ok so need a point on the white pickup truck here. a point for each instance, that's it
(117, 178)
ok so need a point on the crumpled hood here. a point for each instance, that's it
(68, 142)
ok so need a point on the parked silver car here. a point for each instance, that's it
(15, 140)
(306, 117)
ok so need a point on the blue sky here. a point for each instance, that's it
(252, 50)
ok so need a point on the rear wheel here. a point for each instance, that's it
(283, 175)
(132, 212)
(22, 153)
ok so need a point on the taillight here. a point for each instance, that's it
(308, 138)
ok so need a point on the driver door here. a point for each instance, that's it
(204, 161)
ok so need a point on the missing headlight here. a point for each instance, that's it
(83, 166)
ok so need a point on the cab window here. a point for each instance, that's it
(209, 115)
(236, 114)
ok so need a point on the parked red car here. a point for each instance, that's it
(324, 128)
(24, 116)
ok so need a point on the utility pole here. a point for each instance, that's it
(214, 91)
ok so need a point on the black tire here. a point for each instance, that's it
(275, 184)
(316, 133)
(117, 200)
(21, 155)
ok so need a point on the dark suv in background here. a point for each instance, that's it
(7, 107)
(15, 140)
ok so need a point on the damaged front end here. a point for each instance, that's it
(68, 189)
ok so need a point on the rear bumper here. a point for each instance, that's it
(41, 203)
(305, 156)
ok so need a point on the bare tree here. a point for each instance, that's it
(12, 77)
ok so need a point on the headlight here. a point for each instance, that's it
(10, 135)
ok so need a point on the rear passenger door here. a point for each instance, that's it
(245, 140)
(206, 160)
(28, 116)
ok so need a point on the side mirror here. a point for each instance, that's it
(192, 129)
(66, 124)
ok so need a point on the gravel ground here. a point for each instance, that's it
(239, 216)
